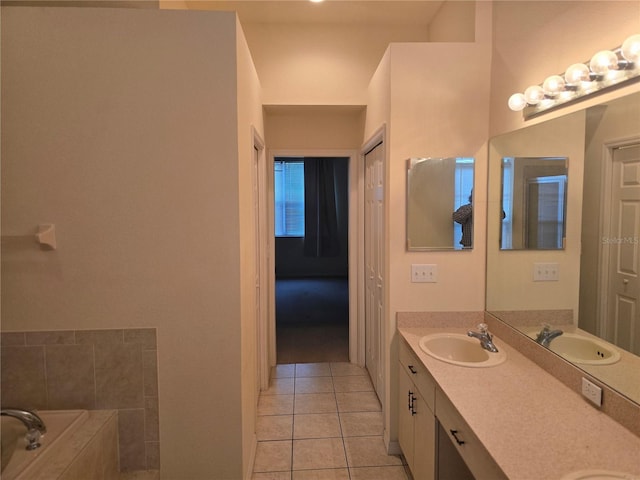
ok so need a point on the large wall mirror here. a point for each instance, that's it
(534, 198)
(594, 298)
(440, 203)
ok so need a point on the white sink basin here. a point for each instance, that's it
(459, 349)
(599, 475)
(583, 349)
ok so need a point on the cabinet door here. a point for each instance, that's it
(469, 447)
(405, 416)
(424, 441)
(451, 466)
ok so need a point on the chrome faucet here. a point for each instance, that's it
(546, 335)
(31, 420)
(486, 339)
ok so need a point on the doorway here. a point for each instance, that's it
(312, 319)
(311, 230)
(620, 322)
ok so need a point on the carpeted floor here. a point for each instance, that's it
(312, 320)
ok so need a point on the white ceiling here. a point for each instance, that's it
(370, 12)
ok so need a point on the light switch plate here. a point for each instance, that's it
(546, 272)
(421, 273)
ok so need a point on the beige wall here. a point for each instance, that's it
(314, 127)
(123, 144)
(533, 39)
(151, 4)
(556, 35)
(620, 120)
(122, 130)
(429, 113)
(249, 124)
(454, 22)
(331, 61)
(320, 64)
(510, 284)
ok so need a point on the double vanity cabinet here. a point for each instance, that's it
(434, 438)
(511, 420)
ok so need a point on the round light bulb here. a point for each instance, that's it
(517, 102)
(553, 85)
(576, 73)
(630, 49)
(603, 61)
(533, 94)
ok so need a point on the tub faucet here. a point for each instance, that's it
(486, 339)
(546, 335)
(35, 425)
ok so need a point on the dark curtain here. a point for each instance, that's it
(320, 216)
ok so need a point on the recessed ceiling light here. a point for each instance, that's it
(316, 1)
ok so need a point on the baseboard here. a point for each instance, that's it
(252, 458)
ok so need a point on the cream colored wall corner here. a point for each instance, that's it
(379, 98)
(511, 276)
(432, 111)
(617, 121)
(320, 65)
(116, 128)
(250, 123)
(454, 22)
(533, 40)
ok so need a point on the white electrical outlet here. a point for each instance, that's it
(592, 391)
(424, 273)
(546, 272)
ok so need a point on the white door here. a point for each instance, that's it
(623, 316)
(374, 266)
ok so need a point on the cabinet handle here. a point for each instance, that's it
(413, 412)
(410, 400)
(411, 369)
(455, 435)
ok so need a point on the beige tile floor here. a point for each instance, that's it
(322, 421)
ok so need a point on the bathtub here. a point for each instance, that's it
(17, 462)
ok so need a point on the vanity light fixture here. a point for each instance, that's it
(606, 69)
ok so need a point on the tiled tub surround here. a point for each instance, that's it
(531, 424)
(90, 369)
(89, 452)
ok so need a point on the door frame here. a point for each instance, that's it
(263, 301)
(353, 247)
(602, 302)
(379, 136)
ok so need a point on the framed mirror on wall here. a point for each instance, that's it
(440, 203)
(595, 297)
(534, 199)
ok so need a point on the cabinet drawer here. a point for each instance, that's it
(422, 379)
(471, 450)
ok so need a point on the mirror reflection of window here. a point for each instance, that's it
(507, 203)
(534, 197)
(545, 217)
(463, 195)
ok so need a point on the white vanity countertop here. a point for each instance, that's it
(533, 426)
